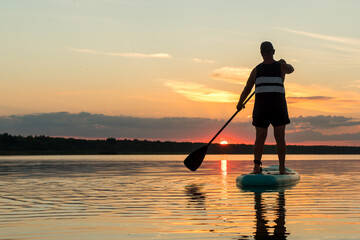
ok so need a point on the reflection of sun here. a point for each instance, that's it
(224, 167)
(223, 142)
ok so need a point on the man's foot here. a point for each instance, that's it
(257, 170)
(282, 171)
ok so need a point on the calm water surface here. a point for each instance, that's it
(156, 197)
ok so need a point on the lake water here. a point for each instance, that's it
(156, 197)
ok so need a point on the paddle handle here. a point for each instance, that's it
(230, 119)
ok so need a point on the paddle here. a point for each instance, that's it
(194, 160)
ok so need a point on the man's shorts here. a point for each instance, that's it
(270, 109)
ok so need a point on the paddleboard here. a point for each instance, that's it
(269, 177)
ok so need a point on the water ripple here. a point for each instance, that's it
(162, 200)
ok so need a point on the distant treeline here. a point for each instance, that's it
(19, 145)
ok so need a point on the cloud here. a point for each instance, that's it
(81, 18)
(87, 92)
(199, 60)
(314, 136)
(321, 98)
(231, 74)
(87, 125)
(201, 93)
(352, 84)
(135, 55)
(355, 50)
(313, 98)
(125, 55)
(323, 122)
(329, 38)
(306, 97)
(294, 99)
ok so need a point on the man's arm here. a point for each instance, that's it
(249, 85)
(285, 68)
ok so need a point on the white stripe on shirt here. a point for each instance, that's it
(264, 89)
(260, 80)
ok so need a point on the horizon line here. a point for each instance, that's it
(172, 141)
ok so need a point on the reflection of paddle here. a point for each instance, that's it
(194, 160)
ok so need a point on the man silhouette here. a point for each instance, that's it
(270, 103)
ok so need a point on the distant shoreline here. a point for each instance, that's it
(44, 145)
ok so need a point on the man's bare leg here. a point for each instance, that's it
(279, 134)
(261, 134)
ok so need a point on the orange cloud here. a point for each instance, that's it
(322, 99)
(353, 84)
(231, 74)
(199, 60)
(87, 92)
(201, 93)
(118, 54)
(291, 100)
(302, 99)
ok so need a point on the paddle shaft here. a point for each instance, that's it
(230, 120)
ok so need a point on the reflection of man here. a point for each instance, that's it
(196, 196)
(261, 223)
(270, 103)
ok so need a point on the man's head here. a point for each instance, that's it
(267, 49)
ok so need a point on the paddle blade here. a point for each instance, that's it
(194, 160)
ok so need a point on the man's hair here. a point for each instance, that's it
(266, 47)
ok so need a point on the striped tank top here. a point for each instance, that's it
(270, 102)
(268, 78)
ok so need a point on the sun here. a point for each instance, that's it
(224, 142)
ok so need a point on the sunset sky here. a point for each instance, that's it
(118, 68)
